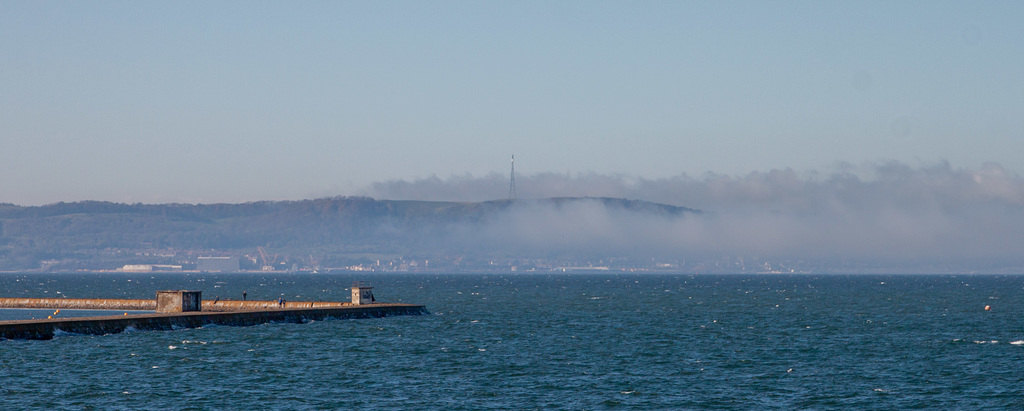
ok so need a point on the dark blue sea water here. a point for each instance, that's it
(524, 341)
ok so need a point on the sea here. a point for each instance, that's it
(542, 341)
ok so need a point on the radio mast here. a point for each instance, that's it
(512, 180)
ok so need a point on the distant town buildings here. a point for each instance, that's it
(149, 268)
(221, 264)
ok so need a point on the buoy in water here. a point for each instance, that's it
(988, 308)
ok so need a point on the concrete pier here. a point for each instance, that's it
(150, 305)
(79, 304)
(46, 329)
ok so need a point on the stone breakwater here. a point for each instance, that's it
(48, 328)
(79, 304)
(150, 305)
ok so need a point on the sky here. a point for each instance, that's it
(236, 101)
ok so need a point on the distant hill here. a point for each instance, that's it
(94, 234)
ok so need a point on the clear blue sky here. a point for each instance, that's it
(239, 101)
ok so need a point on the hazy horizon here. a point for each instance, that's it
(753, 189)
(888, 214)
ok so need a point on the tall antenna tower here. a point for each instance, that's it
(512, 180)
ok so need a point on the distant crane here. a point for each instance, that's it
(268, 263)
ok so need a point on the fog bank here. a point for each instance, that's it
(889, 214)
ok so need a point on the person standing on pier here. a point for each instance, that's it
(243, 295)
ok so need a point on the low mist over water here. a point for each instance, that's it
(890, 214)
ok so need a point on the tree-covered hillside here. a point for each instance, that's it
(103, 235)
